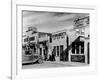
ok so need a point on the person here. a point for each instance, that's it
(53, 56)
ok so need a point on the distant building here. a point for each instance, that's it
(38, 42)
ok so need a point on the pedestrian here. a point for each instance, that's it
(53, 56)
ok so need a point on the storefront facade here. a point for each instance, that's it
(43, 41)
(59, 44)
(79, 51)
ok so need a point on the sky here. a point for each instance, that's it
(49, 21)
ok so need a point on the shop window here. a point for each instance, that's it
(57, 50)
(82, 47)
(73, 47)
(77, 48)
(61, 52)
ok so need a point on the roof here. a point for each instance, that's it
(60, 31)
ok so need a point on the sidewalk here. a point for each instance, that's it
(49, 64)
(65, 63)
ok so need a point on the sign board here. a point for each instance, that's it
(81, 22)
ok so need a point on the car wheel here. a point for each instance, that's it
(40, 61)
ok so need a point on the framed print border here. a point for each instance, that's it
(16, 71)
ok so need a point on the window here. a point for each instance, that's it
(82, 47)
(54, 50)
(57, 50)
(59, 36)
(73, 47)
(32, 38)
(61, 49)
(77, 47)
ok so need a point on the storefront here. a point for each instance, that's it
(80, 51)
(44, 41)
(59, 45)
(43, 49)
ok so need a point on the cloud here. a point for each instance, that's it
(49, 21)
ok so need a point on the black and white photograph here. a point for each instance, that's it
(55, 39)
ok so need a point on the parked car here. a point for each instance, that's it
(29, 56)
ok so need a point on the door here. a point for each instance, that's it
(61, 53)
